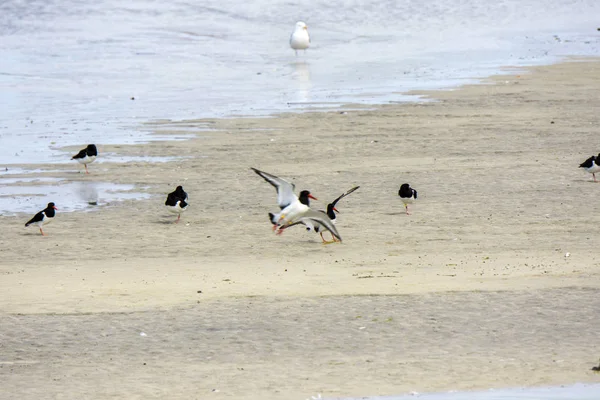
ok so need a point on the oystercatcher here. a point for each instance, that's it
(177, 202)
(591, 165)
(86, 156)
(408, 195)
(43, 217)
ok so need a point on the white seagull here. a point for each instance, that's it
(286, 197)
(293, 211)
(300, 39)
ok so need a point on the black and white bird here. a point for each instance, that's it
(43, 217)
(86, 156)
(285, 195)
(177, 202)
(293, 211)
(408, 195)
(300, 40)
(591, 165)
(330, 212)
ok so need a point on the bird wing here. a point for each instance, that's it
(36, 218)
(81, 154)
(318, 217)
(333, 203)
(415, 192)
(172, 199)
(285, 190)
(587, 163)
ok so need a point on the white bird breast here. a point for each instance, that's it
(86, 160)
(176, 209)
(300, 39)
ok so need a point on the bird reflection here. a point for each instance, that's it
(301, 76)
(88, 192)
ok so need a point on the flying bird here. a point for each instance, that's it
(177, 202)
(43, 217)
(330, 212)
(86, 156)
(408, 195)
(300, 40)
(591, 165)
(285, 195)
(293, 211)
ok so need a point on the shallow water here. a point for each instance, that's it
(68, 196)
(569, 392)
(76, 72)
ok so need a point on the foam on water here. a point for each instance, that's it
(92, 72)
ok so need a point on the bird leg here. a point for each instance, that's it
(86, 170)
(594, 175)
(406, 206)
(178, 217)
(42, 232)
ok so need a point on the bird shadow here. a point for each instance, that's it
(165, 222)
(396, 213)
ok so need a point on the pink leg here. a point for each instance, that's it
(42, 232)
(86, 170)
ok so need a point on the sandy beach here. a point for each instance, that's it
(492, 281)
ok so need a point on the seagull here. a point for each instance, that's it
(331, 210)
(177, 202)
(300, 39)
(286, 197)
(86, 156)
(407, 195)
(591, 165)
(43, 217)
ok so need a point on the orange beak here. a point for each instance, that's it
(312, 197)
(55, 208)
(335, 209)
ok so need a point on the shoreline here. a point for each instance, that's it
(494, 271)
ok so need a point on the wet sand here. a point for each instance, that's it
(493, 281)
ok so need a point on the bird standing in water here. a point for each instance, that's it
(300, 40)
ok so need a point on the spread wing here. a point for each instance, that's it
(285, 190)
(317, 217)
(333, 203)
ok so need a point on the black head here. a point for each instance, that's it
(405, 190)
(305, 196)
(180, 192)
(52, 206)
(91, 150)
(331, 210)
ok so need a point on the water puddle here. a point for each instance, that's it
(73, 196)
